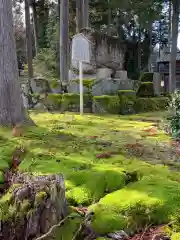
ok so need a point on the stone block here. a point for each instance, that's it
(104, 73)
(74, 88)
(121, 74)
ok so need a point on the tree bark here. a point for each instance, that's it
(150, 47)
(28, 41)
(79, 15)
(172, 66)
(64, 42)
(85, 13)
(11, 106)
(170, 23)
(109, 19)
(35, 26)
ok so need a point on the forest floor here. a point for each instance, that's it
(124, 168)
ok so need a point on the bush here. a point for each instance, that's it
(175, 120)
(150, 104)
(110, 104)
(146, 77)
(67, 100)
(130, 104)
(146, 89)
(127, 92)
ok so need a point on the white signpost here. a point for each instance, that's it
(81, 53)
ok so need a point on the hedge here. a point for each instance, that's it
(146, 89)
(150, 104)
(146, 77)
(128, 104)
(67, 100)
(110, 104)
(117, 104)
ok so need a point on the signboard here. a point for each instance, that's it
(80, 48)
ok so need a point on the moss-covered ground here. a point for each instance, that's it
(115, 165)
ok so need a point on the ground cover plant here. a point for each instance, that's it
(120, 167)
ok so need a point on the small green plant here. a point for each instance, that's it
(175, 120)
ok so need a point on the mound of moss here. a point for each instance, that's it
(150, 200)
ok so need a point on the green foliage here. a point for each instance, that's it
(146, 77)
(46, 64)
(175, 236)
(150, 104)
(146, 89)
(109, 103)
(86, 82)
(1, 177)
(130, 103)
(175, 120)
(127, 92)
(66, 100)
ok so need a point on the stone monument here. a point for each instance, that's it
(106, 64)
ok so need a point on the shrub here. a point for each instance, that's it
(110, 104)
(130, 104)
(146, 77)
(150, 104)
(67, 100)
(54, 100)
(127, 92)
(175, 120)
(146, 89)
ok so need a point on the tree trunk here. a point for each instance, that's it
(86, 13)
(64, 42)
(170, 23)
(35, 26)
(109, 19)
(11, 105)
(150, 47)
(79, 15)
(172, 66)
(28, 40)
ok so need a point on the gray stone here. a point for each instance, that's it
(74, 88)
(119, 235)
(157, 83)
(111, 86)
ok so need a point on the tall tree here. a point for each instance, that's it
(172, 66)
(11, 105)
(28, 40)
(33, 5)
(64, 42)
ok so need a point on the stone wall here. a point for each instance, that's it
(31, 206)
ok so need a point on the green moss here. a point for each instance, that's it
(152, 199)
(40, 196)
(1, 177)
(175, 236)
(25, 206)
(86, 82)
